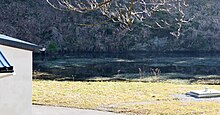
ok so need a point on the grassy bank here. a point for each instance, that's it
(123, 97)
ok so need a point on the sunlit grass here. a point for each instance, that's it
(172, 107)
(125, 97)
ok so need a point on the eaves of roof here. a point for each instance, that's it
(13, 42)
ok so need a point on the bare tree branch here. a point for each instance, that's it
(127, 12)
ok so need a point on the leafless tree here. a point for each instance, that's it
(127, 12)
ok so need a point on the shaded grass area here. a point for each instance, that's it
(123, 97)
(163, 77)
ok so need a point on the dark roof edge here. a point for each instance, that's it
(30, 47)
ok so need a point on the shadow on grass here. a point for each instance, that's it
(166, 77)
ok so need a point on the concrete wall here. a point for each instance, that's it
(16, 90)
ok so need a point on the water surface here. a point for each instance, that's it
(81, 66)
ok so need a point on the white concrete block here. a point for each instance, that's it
(206, 93)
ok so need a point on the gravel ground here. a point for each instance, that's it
(185, 98)
(49, 110)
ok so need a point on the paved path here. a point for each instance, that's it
(49, 110)
(184, 98)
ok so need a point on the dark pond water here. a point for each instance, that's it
(83, 66)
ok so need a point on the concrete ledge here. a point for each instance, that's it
(206, 93)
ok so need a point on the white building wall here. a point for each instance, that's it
(16, 90)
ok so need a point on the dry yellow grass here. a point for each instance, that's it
(122, 97)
